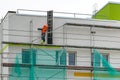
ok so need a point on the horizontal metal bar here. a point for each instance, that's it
(92, 25)
(58, 66)
(49, 66)
(73, 46)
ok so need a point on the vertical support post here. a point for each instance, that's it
(50, 27)
(31, 65)
(64, 35)
(1, 65)
(1, 51)
(91, 50)
(92, 44)
(92, 31)
(31, 33)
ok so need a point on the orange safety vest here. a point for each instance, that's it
(45, 28)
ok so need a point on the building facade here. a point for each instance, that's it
(70, 56)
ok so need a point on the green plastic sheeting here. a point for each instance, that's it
(104, 72)
(43, 64)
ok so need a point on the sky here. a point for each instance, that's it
(73, 6)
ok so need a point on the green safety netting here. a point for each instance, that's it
(39, 64)
(102, 69)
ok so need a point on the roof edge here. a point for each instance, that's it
(112, 2)
(6, 15)
(11, 12)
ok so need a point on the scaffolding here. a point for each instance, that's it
(49, 61)
(41, 57)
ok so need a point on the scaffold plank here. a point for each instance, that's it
(56, 66)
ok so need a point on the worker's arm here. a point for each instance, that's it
(39, 28)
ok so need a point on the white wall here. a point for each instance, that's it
(5, 25)
(19, 26)
(107, 37)
(3, 70)
(81, 35)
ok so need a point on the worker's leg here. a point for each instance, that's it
(43, 38)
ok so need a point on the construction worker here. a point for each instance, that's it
(43, 33)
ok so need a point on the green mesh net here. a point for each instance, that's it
(39, 64)
(102, 69)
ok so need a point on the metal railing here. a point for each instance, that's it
(55, 14)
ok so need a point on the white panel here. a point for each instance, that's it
(20, 27)
(84, 57)
(107, 37)
(14, 50)
(5, 25)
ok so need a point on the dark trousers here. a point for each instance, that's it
(43, 37)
